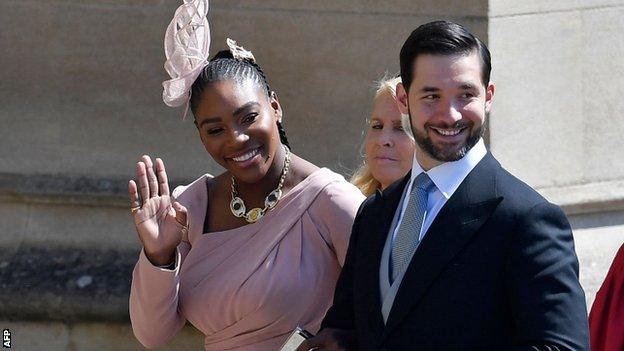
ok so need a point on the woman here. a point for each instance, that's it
(389, 143)
(606, 319)
(252, 253)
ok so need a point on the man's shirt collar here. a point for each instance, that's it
(449, 175)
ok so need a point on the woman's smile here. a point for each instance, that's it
(246, 158)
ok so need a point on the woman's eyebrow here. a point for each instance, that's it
(236, 112)
(250, 104)
(210, 120)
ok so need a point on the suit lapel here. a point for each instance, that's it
(376, 234)
(456, 223)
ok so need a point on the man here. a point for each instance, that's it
(459, 255)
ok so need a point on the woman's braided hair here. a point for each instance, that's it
(223, 66)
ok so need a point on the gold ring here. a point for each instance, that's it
(134, 209)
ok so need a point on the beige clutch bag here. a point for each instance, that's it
(295, 339)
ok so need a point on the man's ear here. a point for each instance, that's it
(402, 102)
(489, 96)
(276, 106)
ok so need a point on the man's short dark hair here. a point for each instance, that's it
(442, 38)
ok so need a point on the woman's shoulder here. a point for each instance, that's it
(192, 188)
(301, 169)
(341, 188)
(337, 194)
(325, 178)
(334, 209)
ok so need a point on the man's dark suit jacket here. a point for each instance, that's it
(496, 271)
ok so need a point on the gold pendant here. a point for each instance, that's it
(254, 214)
(237, 205)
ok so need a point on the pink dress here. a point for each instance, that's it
(249, 287)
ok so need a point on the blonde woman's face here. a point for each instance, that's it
(389, 150)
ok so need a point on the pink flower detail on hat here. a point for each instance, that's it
(187, 43)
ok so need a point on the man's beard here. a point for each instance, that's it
(442, 155)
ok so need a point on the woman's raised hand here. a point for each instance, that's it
(160, 221)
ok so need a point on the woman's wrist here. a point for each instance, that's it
(161, 259)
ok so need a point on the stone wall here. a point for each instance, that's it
(81, 101)
(555, 122)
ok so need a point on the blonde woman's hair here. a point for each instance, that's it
(362, 177)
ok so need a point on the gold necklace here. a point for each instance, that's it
(237, 205)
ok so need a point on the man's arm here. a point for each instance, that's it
(546, 298)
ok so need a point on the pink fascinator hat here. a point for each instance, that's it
(187, 42)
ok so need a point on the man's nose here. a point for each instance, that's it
(451, 113)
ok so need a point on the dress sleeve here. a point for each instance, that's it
(154, 311)
(341, 314)
(333, 213)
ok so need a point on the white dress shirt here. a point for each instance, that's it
(447, 177)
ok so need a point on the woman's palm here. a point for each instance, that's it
(156, 223)
(160, 221)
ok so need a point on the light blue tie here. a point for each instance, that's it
(406, 240)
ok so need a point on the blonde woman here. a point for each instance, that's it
(389, 144)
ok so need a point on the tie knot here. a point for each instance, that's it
(423, 182)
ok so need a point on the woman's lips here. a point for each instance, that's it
(384, 159)
(247, 158)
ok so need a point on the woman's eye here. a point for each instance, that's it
(250, 118)
(214, 131)
(377, 126)
(399, 128)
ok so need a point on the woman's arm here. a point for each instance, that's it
(162, 226)
(333, 213)
(154, 311)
